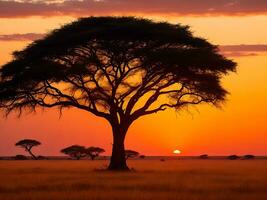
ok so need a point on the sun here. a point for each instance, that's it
(177, 151)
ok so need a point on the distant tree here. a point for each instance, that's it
(248, 157)
(28, 144)
(75, 151)
(20, 157)
(142, 156)
(204, 156)
(118, 68)
(131, 154)
(94, 152)
(233, 157)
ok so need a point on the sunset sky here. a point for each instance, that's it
(239, 127)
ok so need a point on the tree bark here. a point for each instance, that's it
(33, 156)
(118, 160)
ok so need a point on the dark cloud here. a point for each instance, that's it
(13, 8)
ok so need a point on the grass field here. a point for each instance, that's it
(151, 179)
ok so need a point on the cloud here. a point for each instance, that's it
(23, 8)
(243, 50)
(21, 37)
(245, 47)
(238, 54)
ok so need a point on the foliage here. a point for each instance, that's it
(97, 59)
(94, 152)
(75, 151)
(28, 143)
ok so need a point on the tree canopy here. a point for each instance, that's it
(28, 143)
(118, 68)
(107, 63)
(75, 151)
(94, 152)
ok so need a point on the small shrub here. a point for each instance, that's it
(20, 157)
(248, 157)
(204, 156)
(233, 157)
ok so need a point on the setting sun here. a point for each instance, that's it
(177, 151)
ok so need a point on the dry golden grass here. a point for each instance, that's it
(177, 179)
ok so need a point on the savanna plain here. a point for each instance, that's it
(148, 179)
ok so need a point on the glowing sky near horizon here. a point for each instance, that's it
(240, 127)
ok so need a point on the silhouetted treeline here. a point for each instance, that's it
(77, 152)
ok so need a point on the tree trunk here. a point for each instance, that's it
(93, 157)
(118, 160)
(33, 156)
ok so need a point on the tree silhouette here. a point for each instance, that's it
(75, 151)
(28, 144)
(94, 152)
(20, 157)
(249, 157)
(233, 157)
(204, 156)
(131, 154)
(118, 68)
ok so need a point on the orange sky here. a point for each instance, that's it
(240, 127)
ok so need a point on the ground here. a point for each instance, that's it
(150, 179)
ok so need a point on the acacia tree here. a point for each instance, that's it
(131, 154)
(118, 68)
(75, 151)
(94, 152)
(28, 144)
